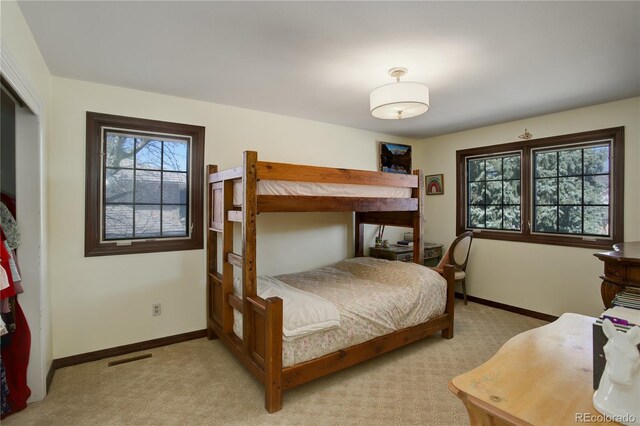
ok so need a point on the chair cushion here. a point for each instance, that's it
(459, 275)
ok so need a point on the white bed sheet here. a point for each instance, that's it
(282, 187)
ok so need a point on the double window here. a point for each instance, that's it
(144, 185)
(564, 190)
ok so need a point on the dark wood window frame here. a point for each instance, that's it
(94, 244)
(616, 134)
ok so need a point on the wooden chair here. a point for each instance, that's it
(458, 254)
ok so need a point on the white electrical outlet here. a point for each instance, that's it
(156, 309)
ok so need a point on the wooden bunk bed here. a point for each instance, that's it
(260, 348)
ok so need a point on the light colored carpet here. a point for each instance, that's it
(200, 383)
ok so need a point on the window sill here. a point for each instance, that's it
(111, 249)
(601, 244)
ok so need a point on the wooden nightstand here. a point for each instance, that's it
(432, 253)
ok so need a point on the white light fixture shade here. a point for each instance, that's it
(399, 100)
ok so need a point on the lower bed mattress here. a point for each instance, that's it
(373, 296)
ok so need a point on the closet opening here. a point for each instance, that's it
(24, 346)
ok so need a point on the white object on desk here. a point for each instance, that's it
(618, 395)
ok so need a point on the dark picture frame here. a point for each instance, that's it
(434, 184)
(395, 158)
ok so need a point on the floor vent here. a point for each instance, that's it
(125, 360)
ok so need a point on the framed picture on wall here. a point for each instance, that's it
(395, 158)
(434, 184)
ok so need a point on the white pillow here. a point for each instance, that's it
(304, 313)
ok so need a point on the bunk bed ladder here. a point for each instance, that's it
(214, 279)
(219, 308)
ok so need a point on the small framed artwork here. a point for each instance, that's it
(395, 158)
(434, 184)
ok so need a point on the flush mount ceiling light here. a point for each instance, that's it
(399, 100)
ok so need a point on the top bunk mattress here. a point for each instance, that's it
(283, 187)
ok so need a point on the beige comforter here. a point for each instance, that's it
(374, 297)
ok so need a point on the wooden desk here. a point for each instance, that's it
(621, 269)
(540, 377)
(432, 253)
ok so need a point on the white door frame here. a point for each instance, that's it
(39, 316)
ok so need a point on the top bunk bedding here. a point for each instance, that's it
(374, 297)
(317, 189)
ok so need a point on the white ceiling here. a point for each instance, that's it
(484, 62)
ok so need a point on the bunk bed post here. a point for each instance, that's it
(418, 220)
(227, 247)
(212, 253)
(359, 237)
(449, 275)
(273, 355)
(249, 213)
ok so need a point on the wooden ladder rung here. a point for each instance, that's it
(234, 215)
(235, 259)
(235, 302)
(226, 175)
(216, 278)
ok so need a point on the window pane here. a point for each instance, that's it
(493, 182)
(118, 222)
(476, 170)
(546, 164)
(494, 168)
(476, 217)
(119, 186)
(494, 192)
(175, 156)
(494, 217)
(596, 160)
(147, 187)
(596, 189)
(174, 221)
(148, 154)
(174, 188)
(570, 190)
(512, 192)
(119, 150)
(570, 219)
(570, 162)
(547, 191)
(476, 193)
(511, 167)
(546, 219)
(512, 217)
(596, 220)
(147, 221)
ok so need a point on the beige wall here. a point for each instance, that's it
(102, 302)
(542, 278)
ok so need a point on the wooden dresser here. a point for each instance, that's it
(621, 270)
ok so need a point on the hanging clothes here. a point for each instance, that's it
(10, 227)
(16, 360)
(5, 409)
(16, 343)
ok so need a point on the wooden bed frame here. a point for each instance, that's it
(260, 350)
